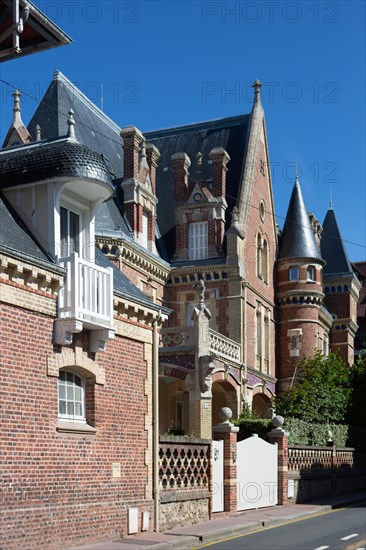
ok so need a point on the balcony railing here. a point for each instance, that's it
(223, 346)
(87, 295)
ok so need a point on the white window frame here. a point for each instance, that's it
(295, 342)
(198, 241)
(74, 400)
(76, 212)
(292, 270)
(311, 274)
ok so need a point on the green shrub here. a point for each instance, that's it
(250, 426)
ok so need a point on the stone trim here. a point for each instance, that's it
(29, 275)
(135, 257)
(75, 428)
(75, 358)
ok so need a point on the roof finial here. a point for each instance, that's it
(16, 109)
(198, 166)
(330, 199)
(143, 149)
(38, 133)
(257, 91)
(296, 174)
(71, 124)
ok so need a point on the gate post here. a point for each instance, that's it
(228, 432)
(279, 436)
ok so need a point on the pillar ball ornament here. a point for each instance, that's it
(225, 414)
(278, 421)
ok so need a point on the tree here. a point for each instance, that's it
(321, 392)
(356, 412)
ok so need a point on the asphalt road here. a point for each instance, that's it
(343, 529)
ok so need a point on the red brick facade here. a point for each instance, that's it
(57, 488)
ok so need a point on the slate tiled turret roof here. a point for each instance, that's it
(47, 160)
(332, 248)
(298, 239)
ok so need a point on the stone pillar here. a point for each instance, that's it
(228, 432)
(279, 436)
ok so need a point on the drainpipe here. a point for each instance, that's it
(155, 365)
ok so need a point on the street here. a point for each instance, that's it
(343, 529)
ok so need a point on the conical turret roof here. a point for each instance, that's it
(332, 247)
(298, 239)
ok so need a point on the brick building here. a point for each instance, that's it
(189, 286)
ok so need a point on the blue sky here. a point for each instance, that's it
(166, 63)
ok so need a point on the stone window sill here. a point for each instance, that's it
(75, 428)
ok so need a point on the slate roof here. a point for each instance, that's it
(229, 133)
(332, 248)
(92, 127)
(15, 236)
(46, 160)
(298, 239)
(98, 132)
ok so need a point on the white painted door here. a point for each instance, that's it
(218, 476)
(256, 473)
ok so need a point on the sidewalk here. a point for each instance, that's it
(243, 522)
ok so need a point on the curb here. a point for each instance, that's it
(184, 542)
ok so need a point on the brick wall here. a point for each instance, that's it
(57, 488)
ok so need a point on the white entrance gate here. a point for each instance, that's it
(218, 476)
(256, 473)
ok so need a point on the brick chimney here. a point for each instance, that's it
(181, 164)
(132, 139)
(219, 158)
(153, 155)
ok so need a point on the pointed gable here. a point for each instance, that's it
(332, 247)
(298, 239)
(93, 127)
(17, 133)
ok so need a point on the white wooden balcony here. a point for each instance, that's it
(85, 301)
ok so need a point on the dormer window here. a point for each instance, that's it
(293, 274)
(197, 241)
(70, 232)
(311, 274)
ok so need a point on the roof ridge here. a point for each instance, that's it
(58, 76)
(195, 125)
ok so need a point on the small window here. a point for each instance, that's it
(311, 274)
(145, 223)
(71, 396)
(198, 241)
(293, 273)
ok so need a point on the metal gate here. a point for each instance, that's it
(256, 473)
(218, 476)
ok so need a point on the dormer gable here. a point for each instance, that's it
(200, 206)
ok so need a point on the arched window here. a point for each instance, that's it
(265, 262)
(259, 257)
(71, 396)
